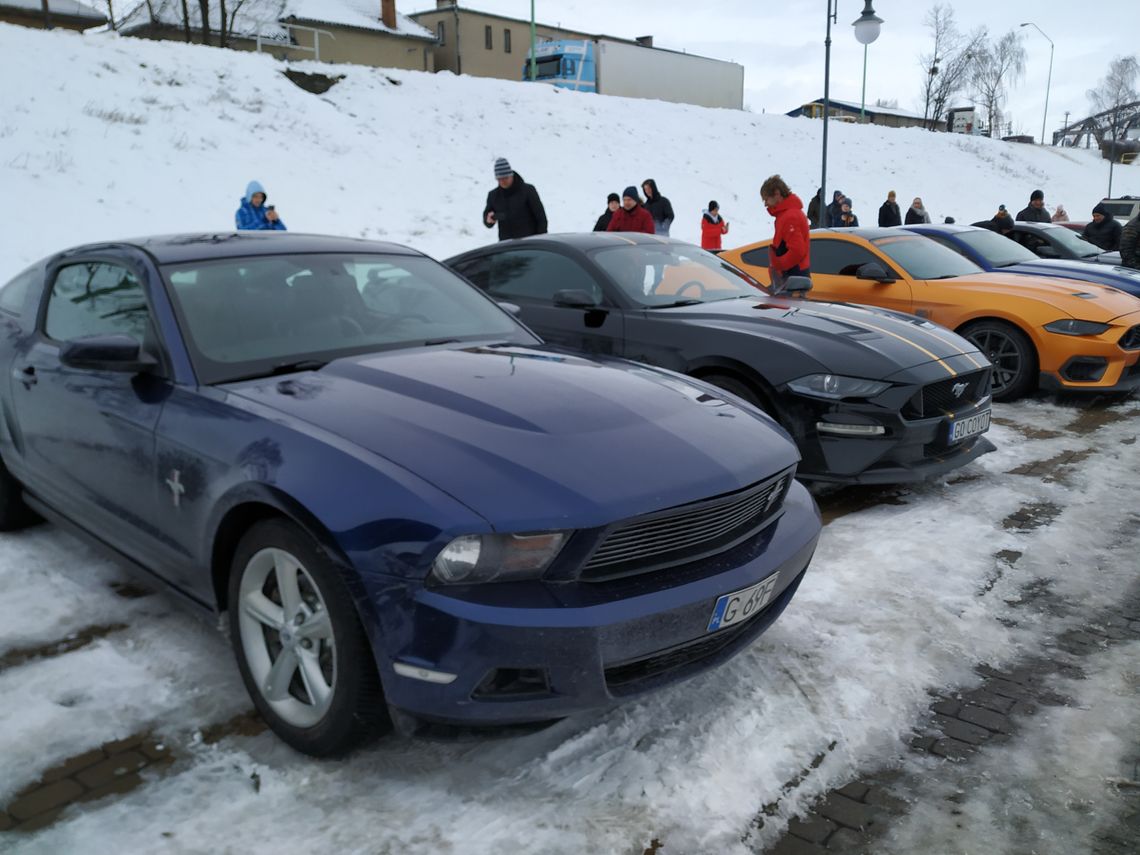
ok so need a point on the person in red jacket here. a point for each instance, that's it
(789, 254)
(632, 215)
(712, 227)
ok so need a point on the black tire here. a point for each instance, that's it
(14, 514)
(1011, 353)
(352, 710)
(742, 390)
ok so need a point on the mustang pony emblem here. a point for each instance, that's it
(958, 389)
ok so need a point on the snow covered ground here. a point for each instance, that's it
(108, 137)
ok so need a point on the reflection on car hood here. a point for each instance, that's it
(1123, 278)
(549, 440)
(1085, 300)
(842, 337)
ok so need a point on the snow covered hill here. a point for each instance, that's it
(105, 137)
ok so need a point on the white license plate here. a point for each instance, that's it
(741, 605)
(961, 429)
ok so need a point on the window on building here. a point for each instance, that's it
(488, 38)
(506, 40)
(441, 33)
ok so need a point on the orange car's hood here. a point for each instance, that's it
(1084, 300)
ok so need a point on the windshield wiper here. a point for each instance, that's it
(686, 302)
(434, 341)
(282, 368)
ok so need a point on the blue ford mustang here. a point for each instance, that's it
(992, 251)
(410, 508)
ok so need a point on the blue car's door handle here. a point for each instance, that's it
(27, 376)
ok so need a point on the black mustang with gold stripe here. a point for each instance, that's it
(869, 395)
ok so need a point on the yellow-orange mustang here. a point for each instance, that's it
(1056, 333)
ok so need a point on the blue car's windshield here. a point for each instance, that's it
(243, 317)
(997, 250)
(1073, 243)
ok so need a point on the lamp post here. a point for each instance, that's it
(533, 63)
(1049, 82)
(867, 28)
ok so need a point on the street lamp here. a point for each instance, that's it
(866, 31)
(1049, 82)
(867, 28)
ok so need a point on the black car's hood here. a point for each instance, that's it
(534, 439)
(841, 337)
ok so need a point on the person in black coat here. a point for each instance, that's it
(889, 214)
(613, 202)
(514, 205)
(813, 210)
(1035, 211)
(658, 206)
(1104, 231)
(832, 212)
(847, 218)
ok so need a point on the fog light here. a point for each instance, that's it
(850, 430)
(426, 674)
(501, 682)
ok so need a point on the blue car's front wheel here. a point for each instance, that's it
(300, 646)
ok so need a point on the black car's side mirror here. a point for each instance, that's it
(574, 298)
(874, 271)
(106, 353)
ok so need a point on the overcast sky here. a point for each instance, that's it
(780, 44)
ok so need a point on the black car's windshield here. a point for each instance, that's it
(923, 258)
(1076, 246)
(997, 250)
(665, 275)
(246, 317)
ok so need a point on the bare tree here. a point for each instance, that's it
(1116, 90)
(228, 16)
(204, 11)
(997, 66)
(47, 14)
(949, 65)
(186, 19)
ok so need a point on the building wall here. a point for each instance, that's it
(469, 54)
(347, 46)
(36, 20)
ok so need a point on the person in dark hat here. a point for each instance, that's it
(713, 227)
(613, 202)
(514, 205)
(1035, 211)
(660, 208)
(834, 210)
(1104, 231)
(632, 215)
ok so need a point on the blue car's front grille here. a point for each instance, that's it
(1131, 339)
(683, 534)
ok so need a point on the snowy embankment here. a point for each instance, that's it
(108, 138)
(105, 137)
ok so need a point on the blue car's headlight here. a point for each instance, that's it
(836, 386)
(477, 558)
(1071, 326)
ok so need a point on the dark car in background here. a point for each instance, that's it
(870, 395)
(994, 252)
(1052, 240)
(402, 500)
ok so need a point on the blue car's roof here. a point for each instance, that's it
(178, 248)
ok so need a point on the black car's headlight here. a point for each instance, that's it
(477, 558)
(836, 386)
(1071, 326)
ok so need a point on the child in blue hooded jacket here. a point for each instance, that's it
(253, 214)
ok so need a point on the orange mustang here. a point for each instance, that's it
(1053, 333)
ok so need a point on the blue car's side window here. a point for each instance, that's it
(14, 294)
(96, 298)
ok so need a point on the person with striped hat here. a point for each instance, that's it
(514, 205)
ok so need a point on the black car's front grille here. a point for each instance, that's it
(951, 395)
(619, 676)
(683, 534)
(1131, 339)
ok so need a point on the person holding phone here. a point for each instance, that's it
(254, 215)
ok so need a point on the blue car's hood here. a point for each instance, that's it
(532, 439)
(1124, 278)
